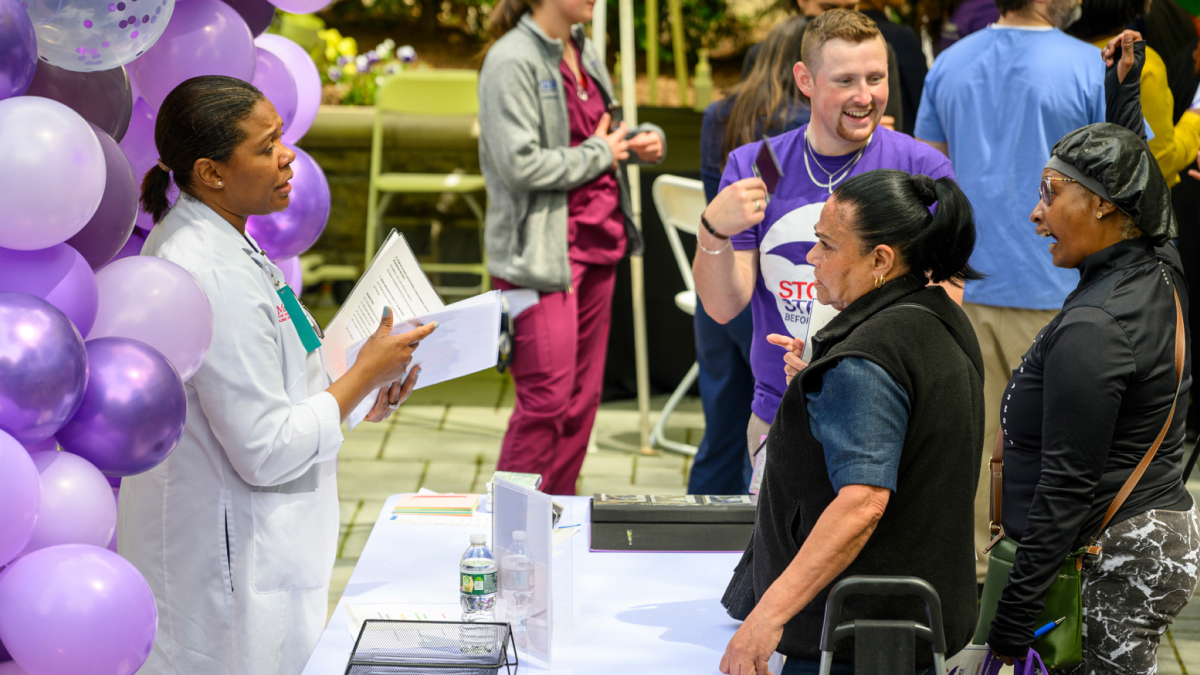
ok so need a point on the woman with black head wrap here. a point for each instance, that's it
(1090, 399)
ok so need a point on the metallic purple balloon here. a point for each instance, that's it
(77, 609)
(58, 275)
(273, 79)
(110, 227)
(159, 303)
(18, 49)
(46, 445)
(292, 232)
(133, 412)
(43, 367)
(205, 37)
(257, 13)
(102, 97)
(20, 499)
(77, 505)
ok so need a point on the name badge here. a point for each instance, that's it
(308, 336)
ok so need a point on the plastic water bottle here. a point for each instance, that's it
(477, 575)
(516, 575)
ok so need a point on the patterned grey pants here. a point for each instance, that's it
(1145, 576)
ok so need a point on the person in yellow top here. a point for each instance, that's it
(1174, 145)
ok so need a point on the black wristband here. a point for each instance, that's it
(704, 222)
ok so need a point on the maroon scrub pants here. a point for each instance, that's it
(558, 370)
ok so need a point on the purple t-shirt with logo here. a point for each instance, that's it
(783, 292)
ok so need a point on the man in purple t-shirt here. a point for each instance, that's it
(844, 72)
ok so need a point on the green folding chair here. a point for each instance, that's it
(430, 93)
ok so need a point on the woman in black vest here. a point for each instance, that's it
(874, 455)
(1087, 403)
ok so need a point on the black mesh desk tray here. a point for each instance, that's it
(433, 647)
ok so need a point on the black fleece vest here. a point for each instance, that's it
(927, 529)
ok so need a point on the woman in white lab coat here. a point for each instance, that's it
(237, 530)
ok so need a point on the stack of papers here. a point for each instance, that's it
(436, 505)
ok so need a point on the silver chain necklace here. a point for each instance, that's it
(834, 179)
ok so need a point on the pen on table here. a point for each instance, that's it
(1047, 628)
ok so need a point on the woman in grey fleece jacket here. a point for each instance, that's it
(558, 221)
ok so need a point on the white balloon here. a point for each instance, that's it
(91, 35)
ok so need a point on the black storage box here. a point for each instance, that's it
(671, 523)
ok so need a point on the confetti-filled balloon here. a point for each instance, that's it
(18, 49)
(206, 37)
(91, 35)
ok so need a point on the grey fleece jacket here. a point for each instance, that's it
(527, 161)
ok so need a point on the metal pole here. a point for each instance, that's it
(600, 30)
(679, 49)
(637, 277)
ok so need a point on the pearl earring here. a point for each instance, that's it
(221, 183)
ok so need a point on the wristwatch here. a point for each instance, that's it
(707, 226)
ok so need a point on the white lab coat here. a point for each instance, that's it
(236, 531)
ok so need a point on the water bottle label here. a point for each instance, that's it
(479, 584)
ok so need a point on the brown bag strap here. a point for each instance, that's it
(1140, 469)
(996, 465)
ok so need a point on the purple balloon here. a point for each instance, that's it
(77, 506)
(114, 481)
(52, 176)
(257, 14)
(110, 227)
(308, 82)
(76, 609)
(293, 274)
(116, 493)
(43, 367)
(102, 97)
(132, 247)
(58, 275)
(273, 79)
(47, 445)
(139, 147)
(20, 499)
(133, 412)
(301, 6)
(205, 37)
(157, 302)
(18, 49)
(292, 232)
(10, 667)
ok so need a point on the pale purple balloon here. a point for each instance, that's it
(293, 274)
(138, 146)
(46, 445)
(257, 13)
(18, 49)
(157, 302)
(133, 413)
(131, 248)
(110, 227)
(58, 275)
(20, 499)
(77, 505)
(10, 667)
(307, 79)
(205, 37)
(273, 79)
(52, 176)
(75, 609)
(301, 6)
(43, 367)
(293, 231)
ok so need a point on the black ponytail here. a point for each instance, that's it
(892, 208)
(199, 119)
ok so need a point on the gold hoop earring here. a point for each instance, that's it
(879, 281)
(1099, 215)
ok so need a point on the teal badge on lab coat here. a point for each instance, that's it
(308, 337)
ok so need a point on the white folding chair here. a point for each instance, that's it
(679, 201)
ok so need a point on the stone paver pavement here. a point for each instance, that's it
(447, 438)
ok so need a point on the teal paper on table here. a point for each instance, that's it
(308, 337)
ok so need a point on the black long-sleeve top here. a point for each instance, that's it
(1087, 402)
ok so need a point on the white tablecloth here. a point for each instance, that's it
(632, 613)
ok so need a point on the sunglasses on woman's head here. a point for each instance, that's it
(1044, 188)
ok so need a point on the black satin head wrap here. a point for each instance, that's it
(1114, 159)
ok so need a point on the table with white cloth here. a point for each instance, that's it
(636, 612)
